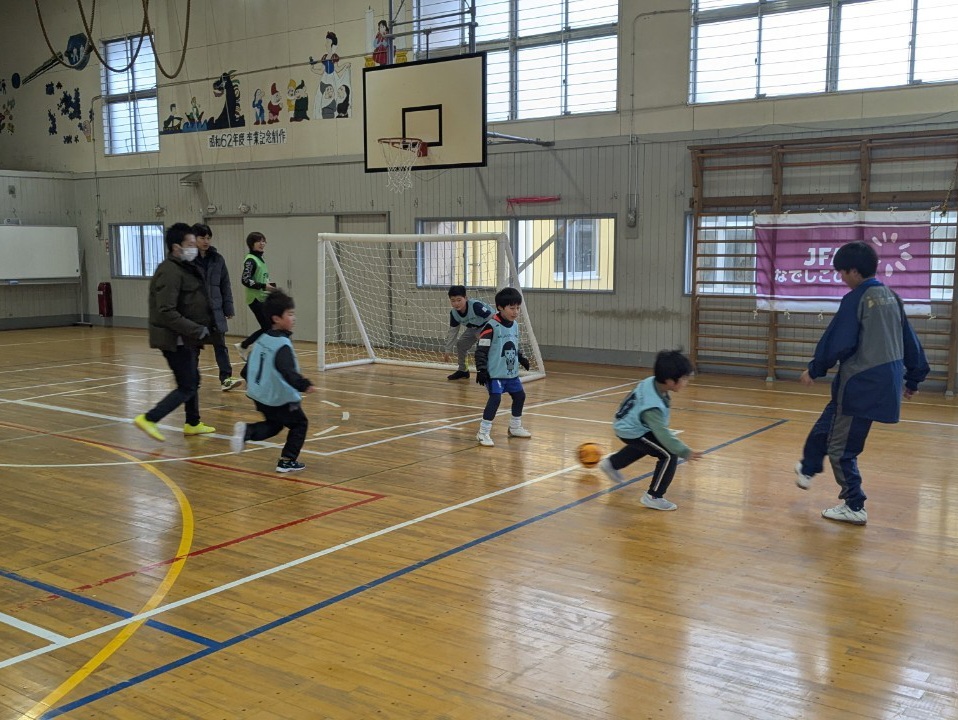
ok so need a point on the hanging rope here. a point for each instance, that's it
(88, 28)
(186, 39)
(145, 30)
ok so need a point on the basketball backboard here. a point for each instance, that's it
(441, 101)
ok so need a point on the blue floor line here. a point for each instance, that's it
(110, 609)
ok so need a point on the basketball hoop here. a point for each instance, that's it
(400, 155)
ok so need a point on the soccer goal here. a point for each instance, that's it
(384, 298)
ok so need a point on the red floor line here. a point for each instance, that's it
(202, 551)
(370, 497)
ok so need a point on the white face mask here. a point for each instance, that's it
(189, 253)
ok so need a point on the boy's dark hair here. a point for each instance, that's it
(175, 234)
(671, 365)
(857, 256)
(201, 230)
(508, 296)
(457, 291)
(276, 303)
(253, 238)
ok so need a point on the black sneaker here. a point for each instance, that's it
(286, 465)
(459, 375)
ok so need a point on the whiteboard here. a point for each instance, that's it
(38, 252)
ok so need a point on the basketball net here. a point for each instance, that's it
(400, 155)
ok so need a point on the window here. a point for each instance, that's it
(472, 264)
(136, 250)
(765, 48)
(544, 58)
(566, 254)
(130, 117)
(576, 248)
(721, 257)
(943, 227)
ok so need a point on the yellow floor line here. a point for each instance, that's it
(186, 541)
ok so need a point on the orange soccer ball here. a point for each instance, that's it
(589, 454)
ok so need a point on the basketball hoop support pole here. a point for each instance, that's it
(517, 139)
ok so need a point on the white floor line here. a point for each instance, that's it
(437, 424)
(59, 383)
(32, 629)
(72, 340)
(36, 368)
(276, 569)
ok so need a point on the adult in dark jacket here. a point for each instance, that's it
(221, 301)
(180, 320)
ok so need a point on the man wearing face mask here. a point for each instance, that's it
(180, 320)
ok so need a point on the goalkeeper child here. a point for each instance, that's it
(469, 314)
(497, 365)
(275, 385)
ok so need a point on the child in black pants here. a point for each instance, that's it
(642, 423)
(275, 385)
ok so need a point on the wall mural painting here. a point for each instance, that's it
(6, 116)
(290, 96)
(68, 106)
(334, 93)
(275, 106)
(226, 86)
(300, 103)
(194, 118)
(332, 99)
(231, 116)
(381, 44)
(259, 112)
(86, 126)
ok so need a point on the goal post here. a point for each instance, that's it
(384, 298)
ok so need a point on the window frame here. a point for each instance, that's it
(719, 278)
(131, 101)
(760, 9)
(117, 260)
(517, 237)
(515, 45)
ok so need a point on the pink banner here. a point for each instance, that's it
(794, 255)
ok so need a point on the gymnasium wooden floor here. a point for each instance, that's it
(410, 573)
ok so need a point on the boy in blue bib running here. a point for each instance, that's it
(275, 385)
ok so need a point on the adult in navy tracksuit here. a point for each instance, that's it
(879, 361)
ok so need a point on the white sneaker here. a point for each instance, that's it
(657, 503)
(801, 479)
(843, 513)
(238, 439)
(243, 352)
(605, 465)
(484, 439)
(519, 432)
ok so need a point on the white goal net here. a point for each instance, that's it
(384, 298)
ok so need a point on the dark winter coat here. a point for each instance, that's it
(179, 305)
(217, 286)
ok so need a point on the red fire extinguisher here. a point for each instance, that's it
(104, 298)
